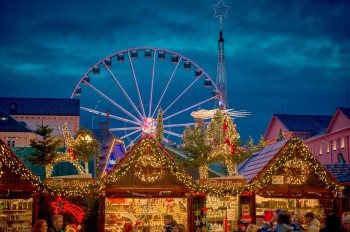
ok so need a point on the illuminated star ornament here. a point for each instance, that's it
(220, 9)
(61, 206)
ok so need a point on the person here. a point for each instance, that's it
(180, 228)
(346, 223)
(284, 220)
(267, 227)
(57, 223)
(332, 223)
(169, 223)
(297, 223)
(40, 226)
(313, 224)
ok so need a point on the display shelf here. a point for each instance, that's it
(16, 214)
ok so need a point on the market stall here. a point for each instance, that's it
(143, 187)
(18, 192)
(286, 175)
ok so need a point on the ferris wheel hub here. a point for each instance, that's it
(148, 125)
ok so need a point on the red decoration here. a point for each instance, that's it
(228, 142)
(64, 206)
(227, 225)
(268, 216)
(204, 209)
(169, 200)
(72, 153)
(224, 126)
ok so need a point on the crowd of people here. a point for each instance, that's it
(42, 225)
(287, 222)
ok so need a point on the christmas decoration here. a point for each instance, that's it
(85, 147)
(61, 206)
(159, 126)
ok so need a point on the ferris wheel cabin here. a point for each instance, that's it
(161, 55)
(134, 54)
(77, 91)
(198, 72)
(120, 57)
(207, 82)
(174, 59)
(148, 53)
(86, 79)
(108, 62)
(96, 70)
(215, 92)
(187, 65)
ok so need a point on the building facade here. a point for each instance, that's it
(326, 136)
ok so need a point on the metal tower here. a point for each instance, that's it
(221, 11)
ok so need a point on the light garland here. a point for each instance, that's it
(295, 144)
(299, 166)
(148, 163)
(305, 156)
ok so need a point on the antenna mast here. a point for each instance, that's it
(221, 11)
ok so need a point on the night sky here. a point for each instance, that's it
(290, 56)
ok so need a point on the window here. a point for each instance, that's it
(11, 143)
(320, 151)
(334, 145)
(328, 148)
(342, 143)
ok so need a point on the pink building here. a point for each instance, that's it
(327, 137)
(31, 112)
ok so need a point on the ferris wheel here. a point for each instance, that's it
(125, 90)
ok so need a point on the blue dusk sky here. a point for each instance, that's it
(282, 56)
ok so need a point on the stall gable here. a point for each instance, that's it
(295, 171)
(14, 175)
(147, 166)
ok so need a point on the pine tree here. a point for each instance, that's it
(159, 126)
(262, 142)
(215, 128)
(280, 136)
(250, 144)
(85, 147)
(45, 149)
(226, 143)
(196, 145)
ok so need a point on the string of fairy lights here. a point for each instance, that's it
(149, 155)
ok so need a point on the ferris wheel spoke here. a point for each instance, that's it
(122, 89)
(124, 128)
(166, 87)
(173, 133)
(181, 95)
(133, 141)
(136, 84)
(113, 102)
(153, 68)
(127, 135)
(188, 108)
(179, 125)
(111, 116)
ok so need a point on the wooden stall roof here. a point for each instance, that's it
(300, 174)
(15, 177)
(129, 178)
